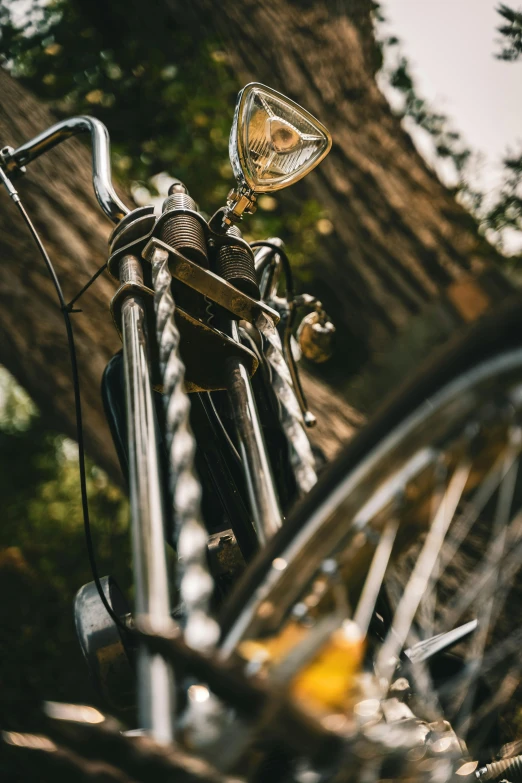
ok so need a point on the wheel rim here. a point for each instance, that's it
(430, 522)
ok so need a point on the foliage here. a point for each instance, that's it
(168, 108)
(506, 213)
(503, 211)
(43, 560)
(512, 31)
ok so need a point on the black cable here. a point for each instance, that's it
(85, 287)
(289, 279)
(77, 400)
(223, 429)
(287, 268)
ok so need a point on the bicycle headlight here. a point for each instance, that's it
(273, 142)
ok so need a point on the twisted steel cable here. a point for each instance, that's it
(301, 455)
(194, 580)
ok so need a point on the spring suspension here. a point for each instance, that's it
(181, 231)
(510, 769)
(236, 266)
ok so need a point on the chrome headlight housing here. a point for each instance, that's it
(274, 142)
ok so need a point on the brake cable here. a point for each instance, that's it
(285, 261)
(84, 289)
(67, 309)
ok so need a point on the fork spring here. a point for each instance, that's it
(184, 232)
(236, 266)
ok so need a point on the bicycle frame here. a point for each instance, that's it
(315, 590)
(148, 515)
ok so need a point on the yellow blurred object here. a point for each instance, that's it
(274, 649)
(329, 681)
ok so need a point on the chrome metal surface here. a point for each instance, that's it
(210, 285)
(204, 349)
(281, 135)
(120, 295)
(108, 200)
(280, 138)
(101, 642)
(427, 648)
(308, 417)
(138, 228)
(264, 503)
(129, 237)
(132, 217)
(152, 601)
(290, 413)
(427, 530)
(357, 503)
(293, 412)
(190, 536)
(315, 335)
(268, 269)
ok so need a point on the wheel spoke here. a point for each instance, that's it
(419, 579)
(476, 505)
(464, 523)
(374, 580)
(482, 582)
(503, 693)
(465, 697)
(426, 610)
(483, 579)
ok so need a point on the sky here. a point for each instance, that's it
(450, 45)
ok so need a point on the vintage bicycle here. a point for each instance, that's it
(359, 626)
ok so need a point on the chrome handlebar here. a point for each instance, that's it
(14, 160)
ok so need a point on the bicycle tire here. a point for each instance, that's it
(462, 404)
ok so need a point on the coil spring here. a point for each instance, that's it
(236, 266)
(184, 232)
(506, 768)
(209, 310)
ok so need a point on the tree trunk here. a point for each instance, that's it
(57, 193)
(399, 237)
(58, 196)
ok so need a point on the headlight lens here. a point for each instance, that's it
(274, 142)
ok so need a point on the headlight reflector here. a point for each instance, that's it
(273, 142)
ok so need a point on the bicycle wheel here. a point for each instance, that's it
(388, 606)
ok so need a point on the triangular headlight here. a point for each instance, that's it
(273, 142)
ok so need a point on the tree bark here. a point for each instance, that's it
(400, 237)
(58, 196)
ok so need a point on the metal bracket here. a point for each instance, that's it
(109, 655)
(204, 350)
(240, 201)
(139, 226)
(210, 285)
(11, 166)
(130, 236)
(125, 290)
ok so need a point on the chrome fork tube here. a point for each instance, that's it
(152, 601)
(264, 504)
